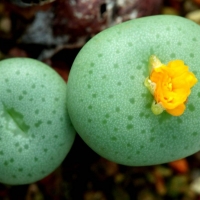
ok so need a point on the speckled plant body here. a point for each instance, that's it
(111, 108)
(35, 131)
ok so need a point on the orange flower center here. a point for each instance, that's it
(170, 85)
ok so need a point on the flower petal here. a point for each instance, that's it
(179, 110)
(170, 85)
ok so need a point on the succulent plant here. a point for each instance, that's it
(109, 105)
(35, 131)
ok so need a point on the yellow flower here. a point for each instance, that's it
(170, 85)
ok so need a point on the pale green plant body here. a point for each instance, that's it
(35, 131)
(109, 105)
